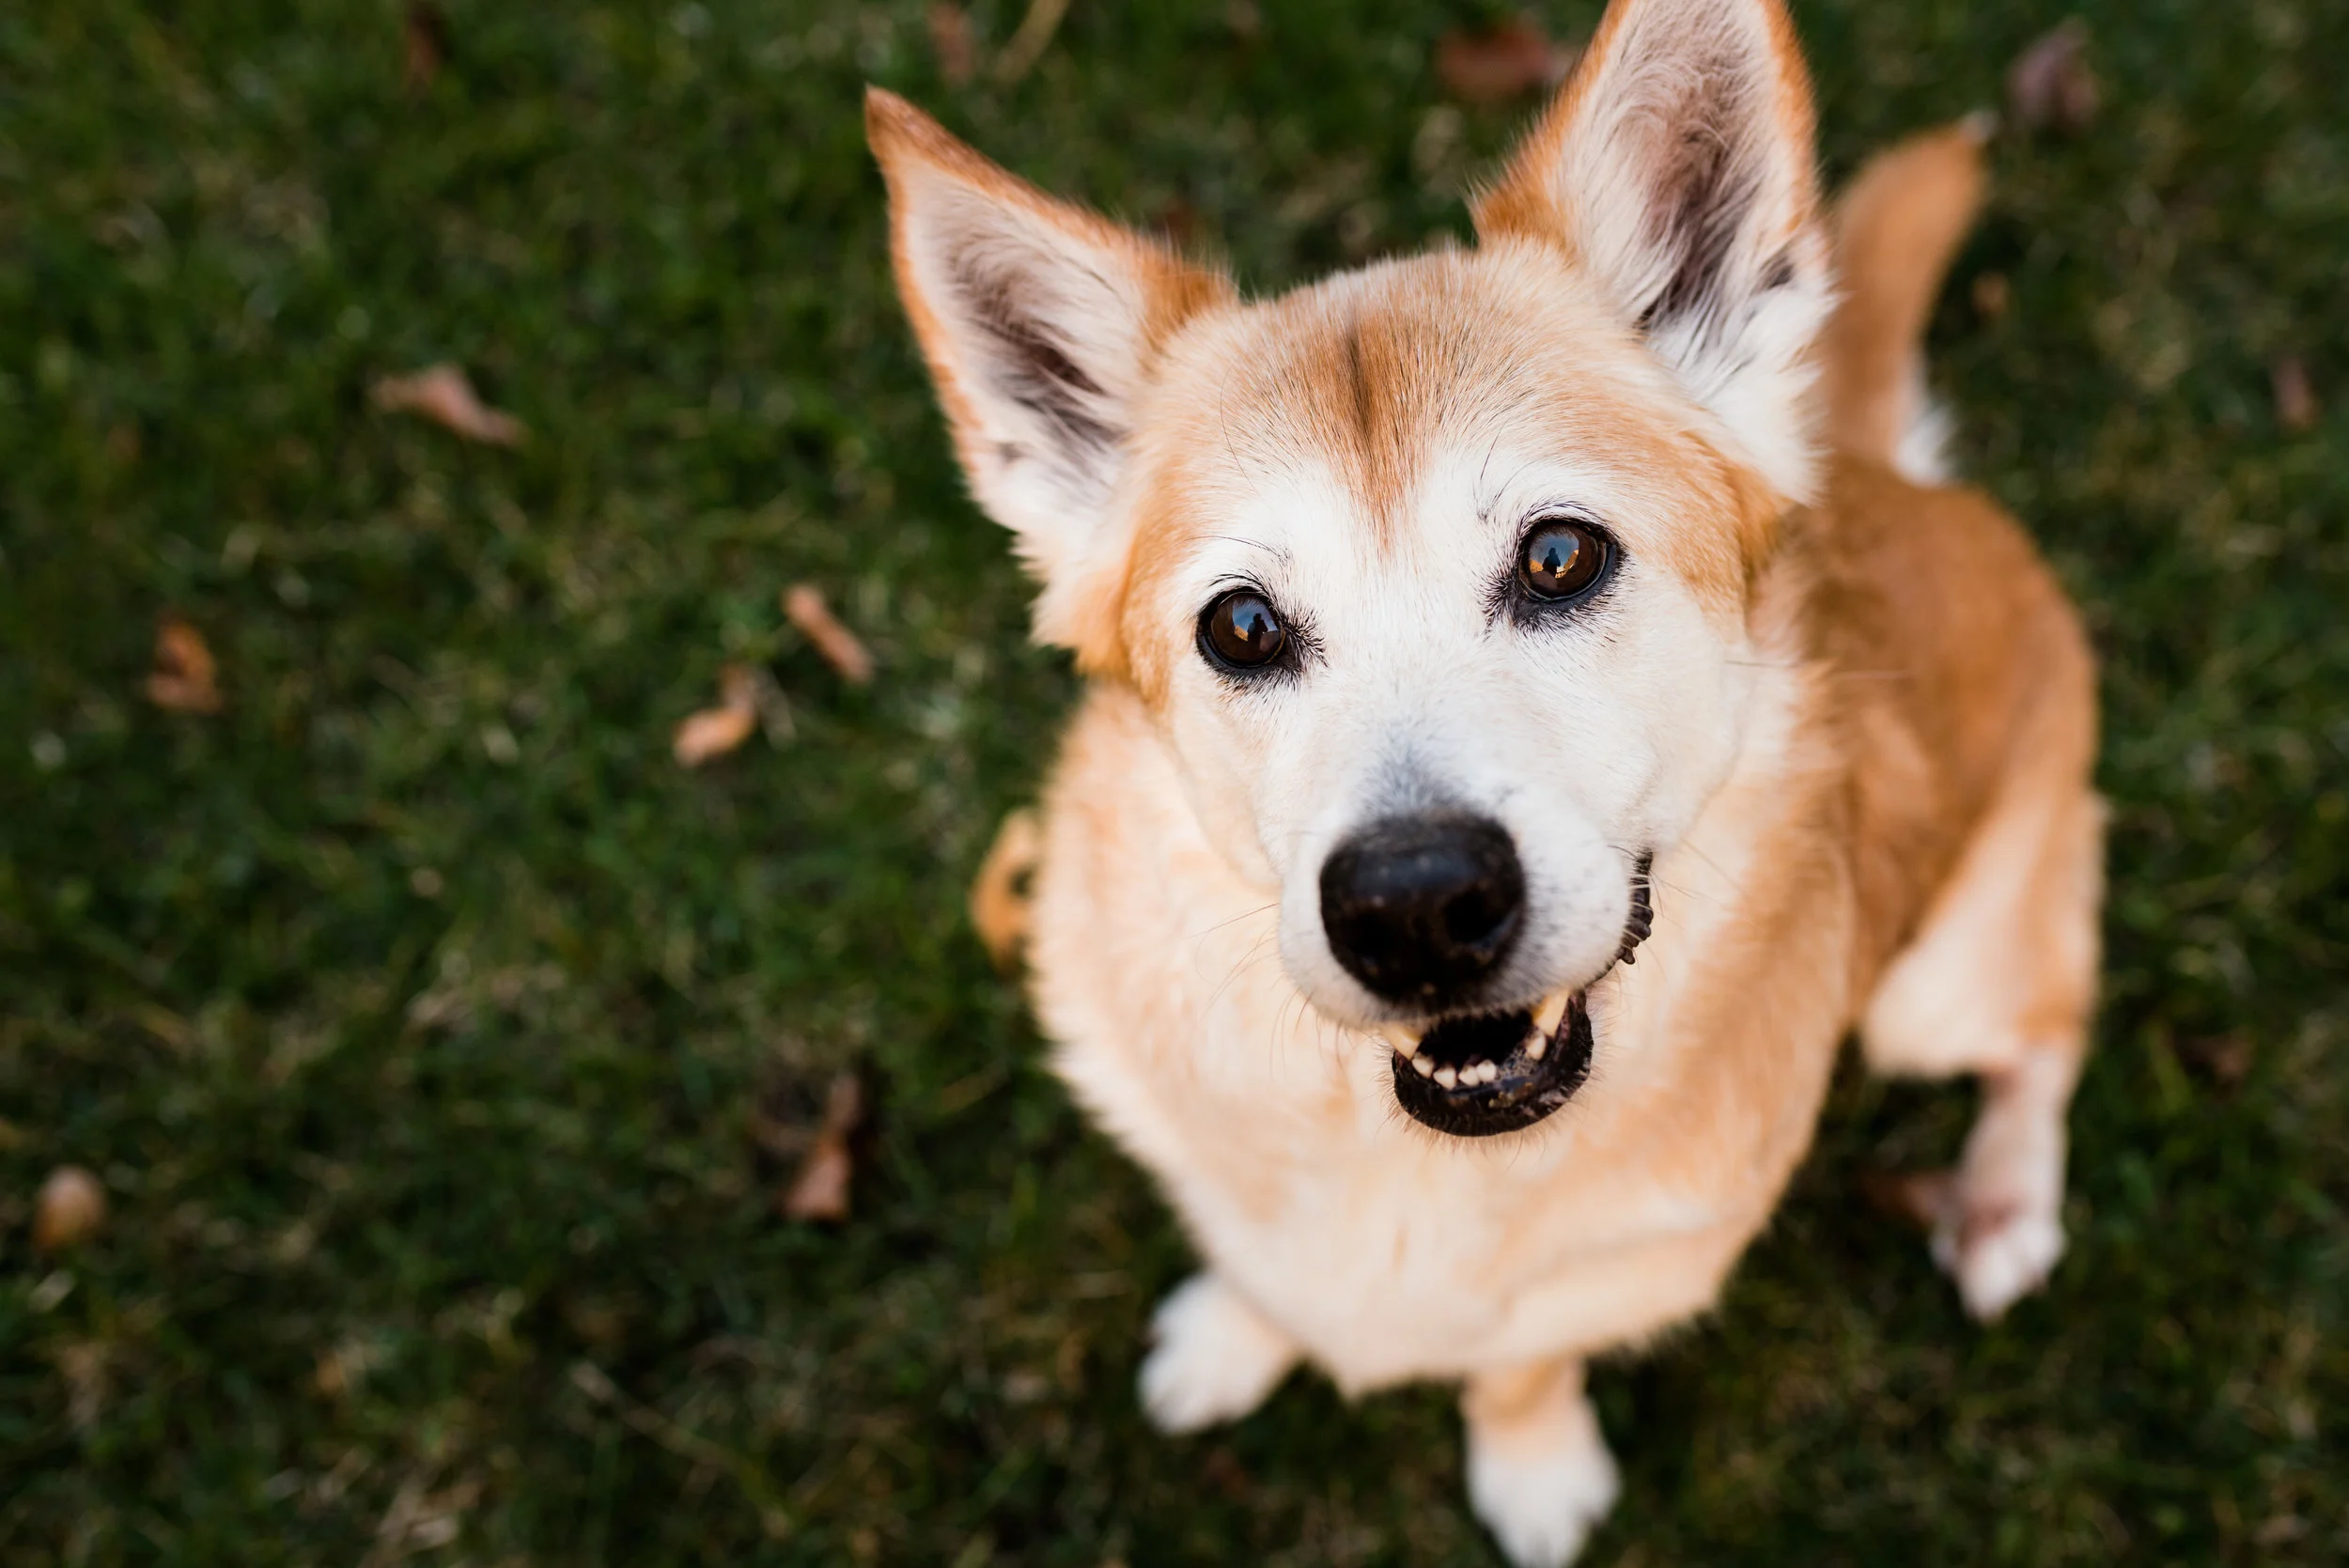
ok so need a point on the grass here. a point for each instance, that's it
(414, 1009)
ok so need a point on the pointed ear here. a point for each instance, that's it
(1042, 325)
(1675, 167)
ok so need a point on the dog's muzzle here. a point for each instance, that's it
(1479, 1074)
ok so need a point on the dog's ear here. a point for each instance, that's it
(1042, 325)
(1676, 167)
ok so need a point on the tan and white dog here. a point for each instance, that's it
(1456, 626)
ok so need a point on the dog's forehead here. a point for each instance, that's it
(1398, 397)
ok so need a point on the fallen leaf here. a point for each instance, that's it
(2295, 399)
(1493, 64)
(820, 1190)
(84, 1369)
(71, 1205)
(1028, 44)
(184, 678)
(2050, 86)
(715, 731)
(426, 31)
(951, 41)
(443, 395)
(1918, 1199)
(999, 893)
(803, 604)
(2226, 1059)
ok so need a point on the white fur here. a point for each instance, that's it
(1214, 1358)
(1541, 1490)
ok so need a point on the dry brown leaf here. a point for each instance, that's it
(2050, 86)
(715, 731)
(820, 1190)
(442, 394)
(1918, 1199)
(2295, 399)
(952, 42)
(184, 678)
(1028, 44)
(999, 894)
(427, 29)
(71, 1205)
(1493, 64)
(803, 604)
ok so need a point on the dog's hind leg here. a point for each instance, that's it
(1215, 1359)
(1999, 982)
(1538, 1471)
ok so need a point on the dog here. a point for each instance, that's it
(1541, 697)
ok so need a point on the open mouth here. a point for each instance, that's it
(1486, 1072)
(1477, 1074)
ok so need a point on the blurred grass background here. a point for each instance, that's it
(415, 1010)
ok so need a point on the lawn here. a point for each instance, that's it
(419, 1013)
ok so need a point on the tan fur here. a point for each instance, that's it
(998, 896)
(1895, 229)
(1902, 839)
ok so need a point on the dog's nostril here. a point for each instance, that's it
(1474, 915)
(1421, 908)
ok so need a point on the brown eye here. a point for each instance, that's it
(1241, 632)
(1562, 559)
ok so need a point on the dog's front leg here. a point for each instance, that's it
(1215, 1359)
(1538, 1471)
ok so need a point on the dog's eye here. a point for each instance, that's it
(1562, 559)
(1240, 631)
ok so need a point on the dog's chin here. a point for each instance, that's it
(1478, 1074)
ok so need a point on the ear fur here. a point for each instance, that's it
(1042, 325)
(1676, 167)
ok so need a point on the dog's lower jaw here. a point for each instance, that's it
(1512, 1071)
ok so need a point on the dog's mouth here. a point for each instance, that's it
(1473, 1074)
(1479, 1074)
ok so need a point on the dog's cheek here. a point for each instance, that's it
(1221, 759)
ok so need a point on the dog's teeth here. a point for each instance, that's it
(1446, 1077)
(1554, 1008)
(1487, 1071)
(1425, 1068)
(1538, 1047)
(1403, 1038)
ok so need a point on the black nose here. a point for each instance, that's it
(1418, 908)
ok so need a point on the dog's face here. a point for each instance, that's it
(1435, 574)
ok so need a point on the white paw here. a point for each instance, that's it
(1215, 1357)
(1541, 1504)
(1997, 1254)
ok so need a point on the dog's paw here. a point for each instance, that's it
(1542, 1503)
(1997, 1252)
(1215, 1359)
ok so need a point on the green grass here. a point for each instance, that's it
(486, 1151)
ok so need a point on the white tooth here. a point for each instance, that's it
(1546, 1016)
(1487, 1071)
(1403, 1038)
(1446, 1077)
(1538, 1047)
(1425, 1065)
